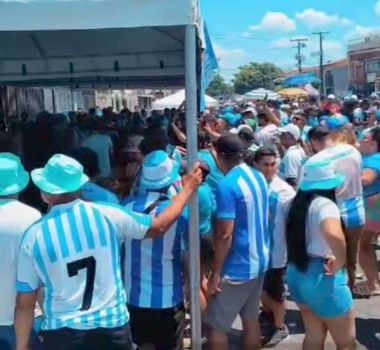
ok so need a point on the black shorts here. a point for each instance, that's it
(95, 339)
(162, 328)
(274, 284)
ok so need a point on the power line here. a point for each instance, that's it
(300, 45)
(321, 59)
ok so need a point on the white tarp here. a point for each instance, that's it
(176, 99)
(127, 43)
(260, 94)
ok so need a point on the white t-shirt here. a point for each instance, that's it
(265, 136)
(347, 161)
(292, 162)
(15, 219)
(320, 209)
(102, 145)
(281, 195)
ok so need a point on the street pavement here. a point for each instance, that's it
(367, 322)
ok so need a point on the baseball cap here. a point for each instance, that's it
(335, 124)
(371, 110)
(231, 119)
(318, 133)
(291, 129)
(331, 97)
(229, 145)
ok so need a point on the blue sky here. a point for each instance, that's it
(250, 30)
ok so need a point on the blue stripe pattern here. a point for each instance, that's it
(59, 241)
(153, 271)
(249, 254)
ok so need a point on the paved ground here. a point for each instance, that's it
(367, 322)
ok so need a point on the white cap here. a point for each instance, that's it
(295, 105)
(354, 98)
(346, 98)
(331, 97)
(292, 129)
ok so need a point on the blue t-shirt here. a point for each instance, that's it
(215, 175)
(372, 162)
(207, 210)
(243, 197)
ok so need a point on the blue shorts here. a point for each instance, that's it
(352, 212)
(327, 297)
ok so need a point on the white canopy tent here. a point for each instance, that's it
(133, 43)
(260, 94)
(175, 100)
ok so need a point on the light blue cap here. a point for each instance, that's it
(231, 119)
(159, 171)
(60, 175)
(320, 176)
(336, 123)
(13, 177)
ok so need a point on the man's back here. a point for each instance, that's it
(74, 253)
(242, 196)
(15, 219)
(153, 267)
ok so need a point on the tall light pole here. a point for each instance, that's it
(300, 45)
(321, 59)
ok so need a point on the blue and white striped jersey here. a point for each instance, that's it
(92, 192)
(73, 253)
(154, 267)
(281, 195)
(242, 197)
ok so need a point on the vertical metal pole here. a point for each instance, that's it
(192, 150)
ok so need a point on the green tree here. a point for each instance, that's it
(219, 87)
(256, 75)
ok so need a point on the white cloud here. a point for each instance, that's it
(361, 31)
(275, 22)
(230, 60)
(377, 8)
(283, 43)
(319, 19)
(332, 50)
(246, 35)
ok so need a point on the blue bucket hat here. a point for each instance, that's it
(320, 176)
(13, 177)
(60, 175)
(159, 171)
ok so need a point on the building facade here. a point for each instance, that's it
(364, 59)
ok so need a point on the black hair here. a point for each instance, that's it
(318, 133)
(375, 134)
(88, 158)
(296, 226)
(264, 152)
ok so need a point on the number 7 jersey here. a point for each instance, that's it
(73, 253)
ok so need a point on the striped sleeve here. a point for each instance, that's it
(225, 202)
(128, 223)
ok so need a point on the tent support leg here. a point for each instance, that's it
(192, 150)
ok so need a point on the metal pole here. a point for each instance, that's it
(192, 150)
(321, 58)
(299, 47)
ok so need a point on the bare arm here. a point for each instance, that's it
(272, 116)
(369, 176)
(332, 229)
(180, 135)
(222, 240)
(24, 318)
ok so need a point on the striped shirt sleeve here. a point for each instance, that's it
(129, 224)
(225, 202)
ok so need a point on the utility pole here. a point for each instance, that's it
(299, 47)
(321, 59)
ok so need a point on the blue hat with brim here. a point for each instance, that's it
(61, 175)
(320, 176)
(13, 177)
(159, 171)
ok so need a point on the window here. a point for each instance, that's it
(373, 66)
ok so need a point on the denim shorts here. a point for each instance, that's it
(327, 297)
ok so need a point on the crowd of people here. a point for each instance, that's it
(94, 224)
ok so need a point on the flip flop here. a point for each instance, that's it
(361, 289)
